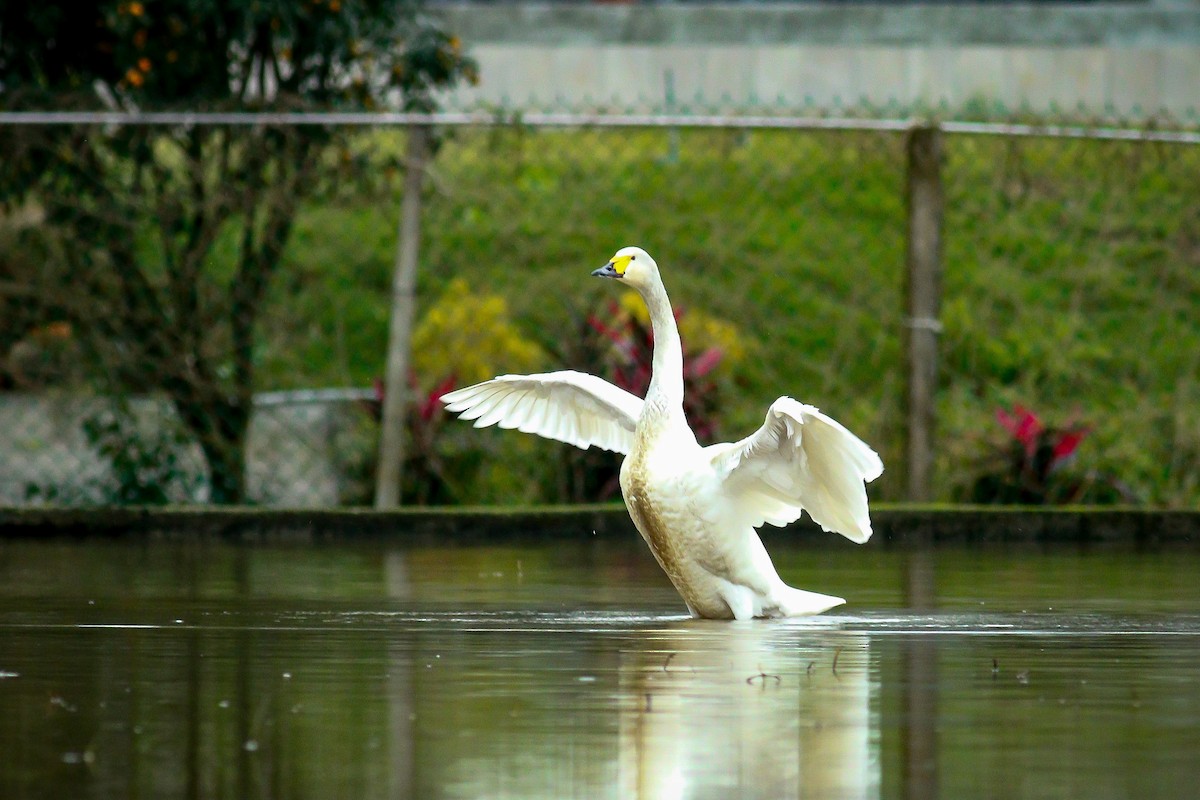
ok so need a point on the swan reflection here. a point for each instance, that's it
(768, 709)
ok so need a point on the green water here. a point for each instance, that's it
(568, 670)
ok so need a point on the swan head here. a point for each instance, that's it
(633, 265)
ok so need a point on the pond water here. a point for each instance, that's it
(567, 669)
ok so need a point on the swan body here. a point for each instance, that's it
(696, 507)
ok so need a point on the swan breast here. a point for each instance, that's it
(665, 491)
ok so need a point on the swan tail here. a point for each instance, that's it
(799, 603)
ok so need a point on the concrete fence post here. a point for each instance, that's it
(923, 287)
(396, 390)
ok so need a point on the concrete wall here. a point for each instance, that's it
(1133, 58)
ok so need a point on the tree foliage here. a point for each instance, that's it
(164, 241)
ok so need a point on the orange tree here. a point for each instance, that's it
(165, 240)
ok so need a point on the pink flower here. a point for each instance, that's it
(705, 362)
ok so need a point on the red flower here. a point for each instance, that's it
(431, 403)
(1028, 430)
(1023, 424)
(1067, 443)
(427, 406)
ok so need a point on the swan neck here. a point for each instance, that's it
(666, 380)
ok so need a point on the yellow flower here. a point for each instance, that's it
(144, 64)
(701, 331)
(633, 305)
(56, 330)
(471, 336)
(134, 78)
(136, 9)
(698, 330)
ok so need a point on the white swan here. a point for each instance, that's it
(696, 507)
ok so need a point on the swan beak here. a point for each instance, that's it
(607, 271)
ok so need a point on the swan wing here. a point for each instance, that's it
(569, 406)
(800, 460)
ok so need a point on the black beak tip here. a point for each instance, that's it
(606, 271)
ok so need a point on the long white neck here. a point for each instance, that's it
(666, 381)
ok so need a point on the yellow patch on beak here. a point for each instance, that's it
(621, 263)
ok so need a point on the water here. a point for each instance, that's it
(564, 670)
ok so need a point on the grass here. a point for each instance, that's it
(1072, 275)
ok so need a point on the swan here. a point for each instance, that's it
(696, 507)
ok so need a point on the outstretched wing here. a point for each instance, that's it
(800, 460)
(569, 406)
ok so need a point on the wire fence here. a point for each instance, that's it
(1147, 132)
(173, 286)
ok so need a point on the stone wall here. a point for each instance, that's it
(300, 454)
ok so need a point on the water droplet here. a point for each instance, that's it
(63, 704)
(250, 746)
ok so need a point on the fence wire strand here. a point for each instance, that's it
(1071, 258)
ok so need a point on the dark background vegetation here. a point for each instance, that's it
(158, 246)
(204, 264)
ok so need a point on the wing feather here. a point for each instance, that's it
(519, 414)
(568, 406)
(800, 460)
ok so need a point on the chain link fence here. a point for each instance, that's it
(145, 358)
